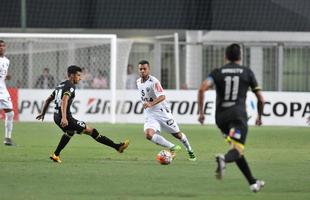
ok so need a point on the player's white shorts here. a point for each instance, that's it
(161, 119)
(5, 100)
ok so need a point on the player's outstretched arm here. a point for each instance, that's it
(205, 85)
(45, 107)
(260, 107)
(308, 120)
(64, 107)
(154, 102)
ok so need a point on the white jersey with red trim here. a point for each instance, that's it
(150, 90)
(4, 66)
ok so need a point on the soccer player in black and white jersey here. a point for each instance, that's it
(63, 96)
(232, 82)
(5, 98)
(157, 113)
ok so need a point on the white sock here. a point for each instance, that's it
(160, 140)
(9, 117)
(185, 142)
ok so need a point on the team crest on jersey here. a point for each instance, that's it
(71, 90)
(170, 122)
(148, 89)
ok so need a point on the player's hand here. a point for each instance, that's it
(64, 122)
(40, 117)
(258, 122)
(308, 120)
(147, 105)
(201, 119)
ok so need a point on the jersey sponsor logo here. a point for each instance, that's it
(158, 87)
(36, 106)
(100, 106)
(232, 71)
(235, 133)
(282, 109)
(170, 122)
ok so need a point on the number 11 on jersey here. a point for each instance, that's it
(231, 87)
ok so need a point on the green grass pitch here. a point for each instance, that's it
(278, 155)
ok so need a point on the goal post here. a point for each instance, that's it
(98, 54)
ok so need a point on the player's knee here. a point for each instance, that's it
(148, 135)
(69, 133)
(239, 148)
(9, 115)
(88, 130)
(179, 135)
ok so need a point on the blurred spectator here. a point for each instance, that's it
(45, 80)
(86, 79)
(184, 86)
(100, 81)
(131, 81)
(18, 84)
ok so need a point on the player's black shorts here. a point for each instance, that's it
(74, 126)
(236, 129)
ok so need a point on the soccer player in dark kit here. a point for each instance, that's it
(63, 96)
(232, 82)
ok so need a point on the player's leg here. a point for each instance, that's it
(236, 138)
(255, 185)
(171, 126)
(152, 130)
(156, 138)
(120, 147)
(9, 117)
(64, 140)
(182, 137)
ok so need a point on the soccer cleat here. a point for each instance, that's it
(55, 158)
(8, 142)
(219, 172)
(256, 187)
(123, 146)
(192, 156)
(174, 149)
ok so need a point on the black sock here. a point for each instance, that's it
(232, 155)
(245, 169)
(62, 143)
(104, 140)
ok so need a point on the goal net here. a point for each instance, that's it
(102, 57)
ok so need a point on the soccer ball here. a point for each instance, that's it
(164, 157)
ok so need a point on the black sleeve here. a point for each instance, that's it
(53, 94)
(213, 75)
(252, 80)
(68, 90)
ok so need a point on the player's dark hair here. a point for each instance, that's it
(2, 41)
(233, 52)
(144, 62)
(73, 69)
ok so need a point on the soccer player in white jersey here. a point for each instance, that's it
(5, 99)
(157, 113)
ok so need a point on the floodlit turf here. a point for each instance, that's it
(278, 155)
